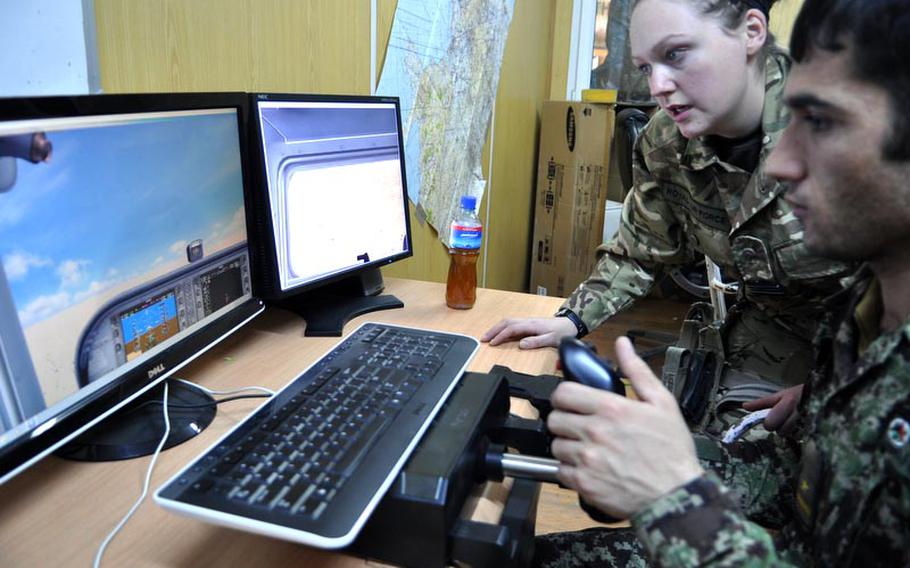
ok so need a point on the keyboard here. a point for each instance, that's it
(312, 463)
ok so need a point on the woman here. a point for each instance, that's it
(699, 188)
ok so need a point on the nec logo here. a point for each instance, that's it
(156, 370)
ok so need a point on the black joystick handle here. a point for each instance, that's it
(581, 364)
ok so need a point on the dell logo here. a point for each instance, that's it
(156, 370)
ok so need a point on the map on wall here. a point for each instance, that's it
(443, 62)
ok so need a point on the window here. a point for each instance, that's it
(589, 48)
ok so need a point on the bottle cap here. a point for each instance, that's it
(468, 202)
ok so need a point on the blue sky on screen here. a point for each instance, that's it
(113, 203)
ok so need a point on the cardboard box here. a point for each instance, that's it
(572, 168)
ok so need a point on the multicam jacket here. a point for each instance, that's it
(686, 203)
(849, 499)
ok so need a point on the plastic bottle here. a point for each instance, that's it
(465, 236)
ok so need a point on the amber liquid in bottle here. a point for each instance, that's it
(461, 286)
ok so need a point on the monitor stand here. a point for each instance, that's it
(136, 429)
(327, 309)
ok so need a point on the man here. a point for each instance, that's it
(846, 156)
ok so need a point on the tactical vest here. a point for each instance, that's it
(709, 391)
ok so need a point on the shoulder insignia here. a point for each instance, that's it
(899, 432)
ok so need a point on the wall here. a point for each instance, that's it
(322, 46)
(48, 47)
(194, 45)
(783, 14)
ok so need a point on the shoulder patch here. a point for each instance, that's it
(898, 432)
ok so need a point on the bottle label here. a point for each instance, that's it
(465, 237)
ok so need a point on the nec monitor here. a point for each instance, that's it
(124, 255)
(331, 201)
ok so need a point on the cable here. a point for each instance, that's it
(145, 486)
(232, 391)
(207, 404)
(266, 393)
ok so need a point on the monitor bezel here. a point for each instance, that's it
(264, 264)
(28, 448)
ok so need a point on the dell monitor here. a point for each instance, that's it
(124, 256)
(331, 204)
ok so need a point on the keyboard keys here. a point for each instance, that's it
(335, 435)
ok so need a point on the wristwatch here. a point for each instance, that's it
(582, 329)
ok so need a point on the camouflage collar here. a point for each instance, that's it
(761, 189)
(843, 296)
(880, 348)
(862, 273)
(867, 316)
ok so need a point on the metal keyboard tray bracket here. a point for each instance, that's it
(418, 521)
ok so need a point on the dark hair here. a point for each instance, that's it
(878, 35)
(732, 13)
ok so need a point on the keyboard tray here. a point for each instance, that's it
(311, 464)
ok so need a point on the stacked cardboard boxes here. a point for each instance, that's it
(572, 171)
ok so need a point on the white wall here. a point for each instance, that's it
(47, 47)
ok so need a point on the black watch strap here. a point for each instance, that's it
(581, 328)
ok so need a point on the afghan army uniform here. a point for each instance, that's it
(845, 503)
(686, 203)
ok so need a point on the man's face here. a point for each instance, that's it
(853, 205)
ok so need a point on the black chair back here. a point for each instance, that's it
(629, 124)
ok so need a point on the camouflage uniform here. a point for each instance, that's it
(686, 203)
(846, 503)
(760, 474)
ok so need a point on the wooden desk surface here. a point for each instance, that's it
(57, 512)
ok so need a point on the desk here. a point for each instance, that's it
(57, 512)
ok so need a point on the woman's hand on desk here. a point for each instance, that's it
(621, 454)
(531, 332)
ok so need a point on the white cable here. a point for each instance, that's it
(225, 392)
(145, 486)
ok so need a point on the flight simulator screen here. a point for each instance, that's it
(119, 235)
(148, 324)
(335, 184)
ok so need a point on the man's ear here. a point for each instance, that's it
(756, 31)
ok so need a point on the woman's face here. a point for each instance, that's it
(697, 70)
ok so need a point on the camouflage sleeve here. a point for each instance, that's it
(699, 524)
(760, 474)
(627, 265)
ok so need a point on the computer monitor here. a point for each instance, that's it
(331, 203)
(124, 256)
